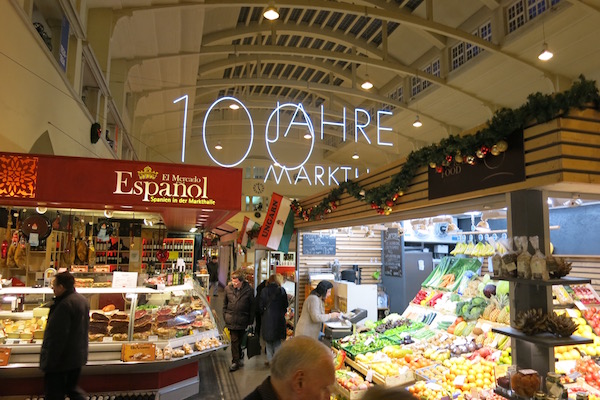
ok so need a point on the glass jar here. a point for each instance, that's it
(539, 395)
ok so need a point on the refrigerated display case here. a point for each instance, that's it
(176, 322)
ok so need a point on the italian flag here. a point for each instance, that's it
(278, 227)
(247, 226)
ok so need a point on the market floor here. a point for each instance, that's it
(216, 381)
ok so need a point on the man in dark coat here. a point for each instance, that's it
(273, 304)
(213, 275)
(302, 369)
(65, 347)
(238, 313)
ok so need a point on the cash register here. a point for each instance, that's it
(346, 325)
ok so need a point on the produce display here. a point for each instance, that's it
(444, 347)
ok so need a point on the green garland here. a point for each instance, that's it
(455, 149)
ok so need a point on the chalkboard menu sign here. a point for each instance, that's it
(392, 253)
(318, 245)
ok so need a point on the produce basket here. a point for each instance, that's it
(431, 373)
(367, 346)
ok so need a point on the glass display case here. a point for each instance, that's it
(176, 323)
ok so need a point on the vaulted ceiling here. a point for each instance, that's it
(451, 62)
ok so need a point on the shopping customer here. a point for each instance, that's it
(302, 369)
(65, 347)
(273, 305)
(313, 311)
(238, 313)
(213, 275)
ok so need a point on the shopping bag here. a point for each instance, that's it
(253, 345)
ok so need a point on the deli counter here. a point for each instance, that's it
(141, 339)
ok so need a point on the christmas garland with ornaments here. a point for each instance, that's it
(491, 140)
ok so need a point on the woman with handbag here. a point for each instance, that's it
(273, 304)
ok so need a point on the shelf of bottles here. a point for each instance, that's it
(149, 249)
(112, 253)
(182, 248)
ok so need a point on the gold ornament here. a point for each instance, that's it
(495, 150)
(479, 153)
(458, 158)
(502, 146)
(470, 160)
(388, 210)
(432, 165)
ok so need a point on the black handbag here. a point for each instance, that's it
(252, 344)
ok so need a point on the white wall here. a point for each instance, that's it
(35, 98)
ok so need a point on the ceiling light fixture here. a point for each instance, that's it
(545, 54)
(108, 213)
(41, 209)
(193, 230)
(367, 84)
(271, 13)
(234, 106)
(218, 145)
(417, 123)
(307, 136)
(355, 156)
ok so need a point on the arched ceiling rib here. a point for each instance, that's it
(319, 52)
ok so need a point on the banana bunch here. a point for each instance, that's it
(500, 249)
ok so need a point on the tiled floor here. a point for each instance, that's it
(216, 382)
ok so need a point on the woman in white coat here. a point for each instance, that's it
(313, 311)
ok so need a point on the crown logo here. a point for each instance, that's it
(147, 173)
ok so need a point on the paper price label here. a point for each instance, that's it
(460, 380)
(571, 313)
(152, 338)
(369, 377)
(580, 305)
(107, 339)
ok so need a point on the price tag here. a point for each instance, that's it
(107, 339)
(12, 341)
(580, 305)
(24, 341)
(369, 341)
(511, 267)
(369, 377)
(402, 370)
(460, 380)
(571, 313)
(152, 338)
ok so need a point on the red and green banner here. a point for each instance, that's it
(278, 226)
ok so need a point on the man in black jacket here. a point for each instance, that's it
(238, 313)
(65, 347)
(302, 369)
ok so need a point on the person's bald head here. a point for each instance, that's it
(302, 368)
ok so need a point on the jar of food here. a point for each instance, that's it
(539, 395)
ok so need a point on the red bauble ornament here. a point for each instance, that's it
(439, 169)
(389, 203)
(395, 197)
(449, 158)
(485, 149)
(374, 206)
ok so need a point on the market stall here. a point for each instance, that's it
(112, 225)
(412, 189)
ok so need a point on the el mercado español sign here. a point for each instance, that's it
(83, 182)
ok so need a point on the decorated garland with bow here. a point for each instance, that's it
(455, 149)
